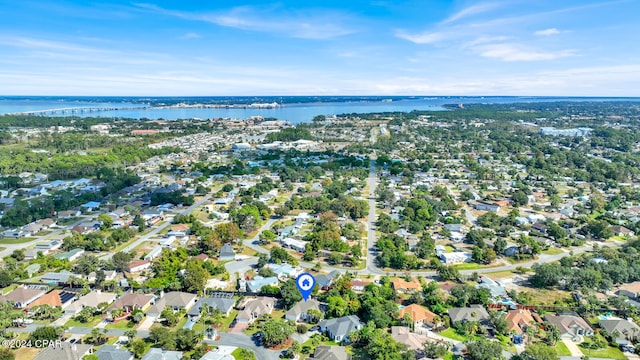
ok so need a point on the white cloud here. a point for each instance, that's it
(421, 38)
(514, 52)
(547, 32)
(470, 11)
(190, 35)
(309, 24)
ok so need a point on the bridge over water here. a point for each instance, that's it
(75, 110)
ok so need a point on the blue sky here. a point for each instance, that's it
(380, 47)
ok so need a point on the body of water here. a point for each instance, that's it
(294, 113)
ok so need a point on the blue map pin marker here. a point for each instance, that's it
(305, 283)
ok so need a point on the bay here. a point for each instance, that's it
(292, 112)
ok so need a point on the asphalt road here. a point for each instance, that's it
(158, 229)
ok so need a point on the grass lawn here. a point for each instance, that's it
(226, 323)
(74, 323)
(9, 289)
(562, 349)
(470, 266)
(451, 333)
(123, 325)
(16, 241)
(607, 353)
(26, 353)
(544, 296)
(553, 251)
(238, 356)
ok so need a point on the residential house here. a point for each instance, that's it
(48, 247)
(495, 287)
(299, 311)
(623, 331)
(254, 309)
(65, 351)
(455, 257)
(111, 352)
(540, 228)
(486, 206)
(154, 253)
(404, 287)
(412, 340)
(359, 285)
(467, 314)
(55, 298)
(256, 284)
(419, 316)
(21, 296)
(570, 325)
(71, 255)
(108, 275)
(131, 301)
(325, 352)
(59, 278)
(91, 206)
(203, 257)
(284, 271)
(138, 265)
(325, 280)
(619, 230)
(32, 269)
(630, 290)
(162, 354)
(85, 228)
(519, 320)
(297, 245)
(176, 300)
(338, 329)
(224, 305)
(227, 253)
(92, 299)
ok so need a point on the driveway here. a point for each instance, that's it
(146, 323)
(239, 327)
(244, 341)
(573, 347)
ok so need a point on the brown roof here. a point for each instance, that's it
(404, 336)
(131, 300)
(21, 294)
(203, 257)
(400, 284)
(143, 132)
(517, 319)
(180, 227)
(417, 313)
(52, 298)
(633, 287)
(137, 263)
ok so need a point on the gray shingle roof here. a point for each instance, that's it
(221, 304)
(341, 326)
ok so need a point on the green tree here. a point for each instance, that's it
(169, 316)
(484, 349)
(195, 277)
(276, 331)
(105, 221)
(121, 260)
(138, 347)
(46, 333)
(519, 198)
(267, 236)
(290, 293)
(537, 351)
(6, 354)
